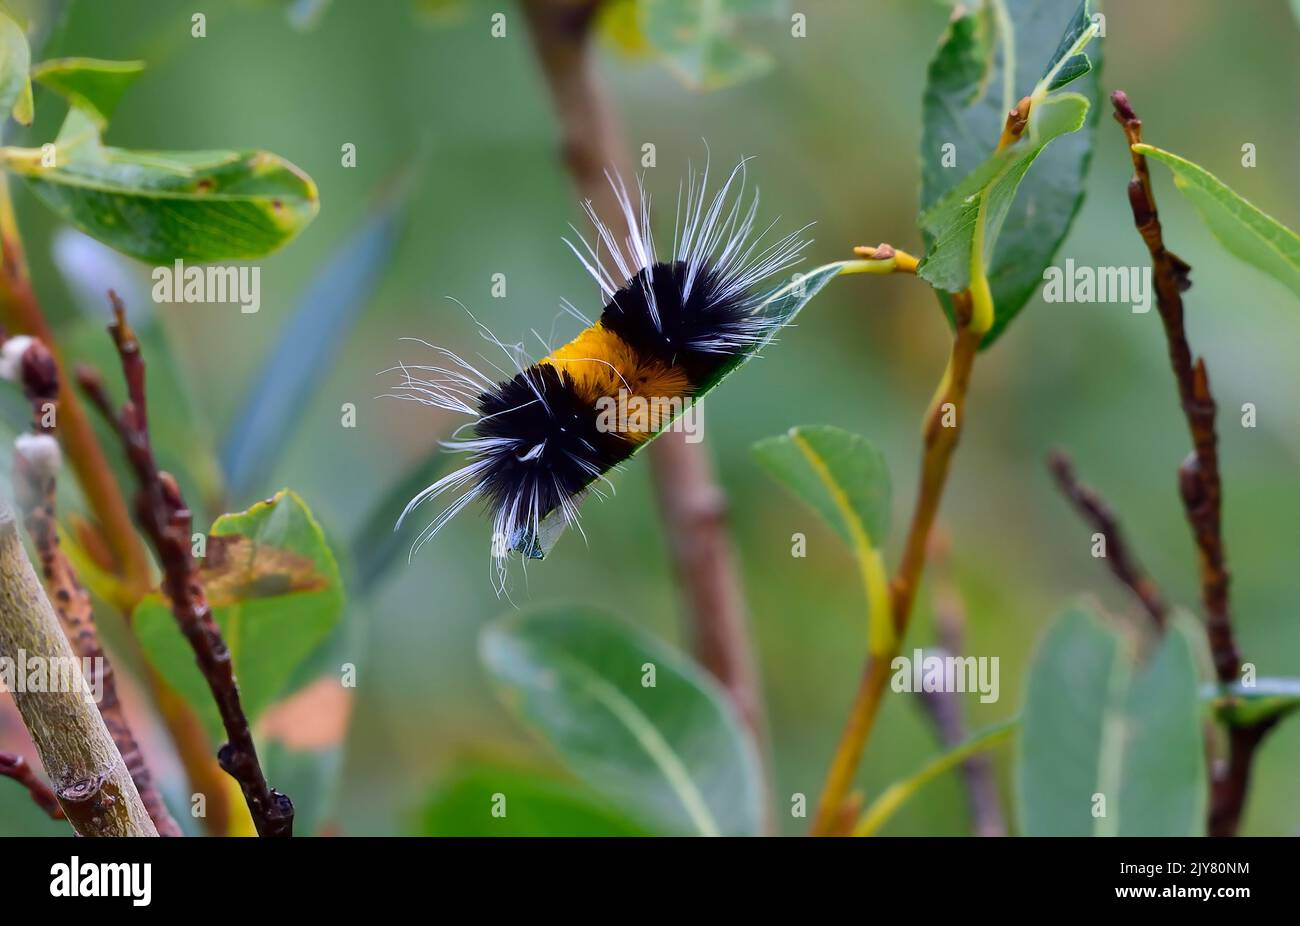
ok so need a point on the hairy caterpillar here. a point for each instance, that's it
(667, 326)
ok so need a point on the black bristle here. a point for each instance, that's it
(697, 334)
(560, 421)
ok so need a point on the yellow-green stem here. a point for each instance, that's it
(942, 427)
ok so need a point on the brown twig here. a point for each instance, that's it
(166, 521)
(36, 466)
(944, 707)
(691, 503)
(1198, 477)
(1118, 556)
(17, 768)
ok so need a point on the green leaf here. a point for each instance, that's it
(1069, 62)
(161, 206)
(534, 805)
(698, 42)
(15, 62)
(1246, 231)
(275, 593)
(92, 85)
(1098, 726)
(990, 57)
(671, 754)
(843, 478)
(784, 302)
(307, 345)
(893, 797)
(839, 475)
(1246, 705)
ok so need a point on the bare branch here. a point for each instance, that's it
(1118, 557)
(167, 522)
(17, 768)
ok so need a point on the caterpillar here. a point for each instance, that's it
(667, 325)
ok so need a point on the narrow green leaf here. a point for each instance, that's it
(305, 349)
(991, 56)
(1245, 230)
(275, 593)
(501, 801)
(92, 85)
(844, 479)
(1110, 747)
(784, 302)
(897, 794)
(15, 62)
(161, 206)
(635, 720)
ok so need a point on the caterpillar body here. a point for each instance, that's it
(540, 442)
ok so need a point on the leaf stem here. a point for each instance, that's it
(941, 429)
(893, 797)
(883, 258)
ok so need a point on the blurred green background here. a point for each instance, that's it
(834, 128)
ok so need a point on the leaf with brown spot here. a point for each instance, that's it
(276, 594)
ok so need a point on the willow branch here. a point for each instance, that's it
(36, 466)
(17, 768)
(89, 778)
(691, 503)
(885, 258)
(1199, 482)
(1093, 509)
(21, 314)
(167, 522)
(941, 430)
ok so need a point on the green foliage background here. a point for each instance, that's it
(835, 126)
